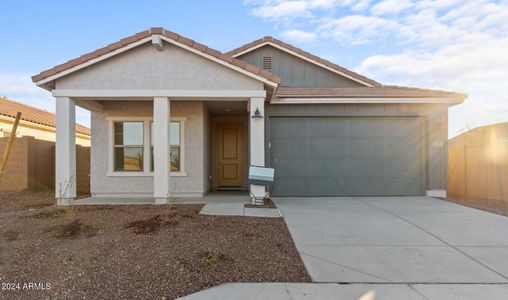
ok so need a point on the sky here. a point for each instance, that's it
(457, 45)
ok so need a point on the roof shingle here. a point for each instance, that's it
(385, 91)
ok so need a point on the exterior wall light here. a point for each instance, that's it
(257, 114)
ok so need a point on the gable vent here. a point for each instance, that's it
(267, 62)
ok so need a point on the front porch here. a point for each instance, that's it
(215, 141)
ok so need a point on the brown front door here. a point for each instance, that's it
(230, 141)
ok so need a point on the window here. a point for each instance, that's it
(267, 62)
(175, 146)
(128, 146)
(131, 142)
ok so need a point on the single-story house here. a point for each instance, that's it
(171, 117)
(34, 122)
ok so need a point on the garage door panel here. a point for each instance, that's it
(357, 156)
(366, 166)
(327, 166)
(288, 147)
(403, 167)
(290, 166)
(403, 128)
(368, 146)
(288, 128)
(290, 187)
(327, 146)
(363, 127)
(404, 147)
(366, 186)
(327, 128)
(409, 186)
(328, 186)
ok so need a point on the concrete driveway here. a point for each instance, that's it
(397, 240)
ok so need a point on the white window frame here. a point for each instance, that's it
(147, 153)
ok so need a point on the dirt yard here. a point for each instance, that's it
(127, 252)
(496, 206)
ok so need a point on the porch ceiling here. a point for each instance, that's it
(227, 108)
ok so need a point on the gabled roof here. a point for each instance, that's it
(9, 108)
(145, 36)
(268, 40)
(385, 91)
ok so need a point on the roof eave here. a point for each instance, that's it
(367, 100)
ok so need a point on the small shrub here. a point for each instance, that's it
(73, 230)
(211, 259)
(69, 211)
(150, 226)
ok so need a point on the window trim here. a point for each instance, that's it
(147, 156)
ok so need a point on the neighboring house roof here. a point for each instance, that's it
(384, 91)
(268, 40)
(157, 31)
(9, 108)
(487, 134)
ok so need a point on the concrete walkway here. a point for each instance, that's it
(330, 291)
(238, 209)
(397, 240)
(230, 203)
(212, 197)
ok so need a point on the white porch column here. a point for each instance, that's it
(161, 115)
(257, 141)
(65, 150)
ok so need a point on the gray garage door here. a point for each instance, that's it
(347, 156)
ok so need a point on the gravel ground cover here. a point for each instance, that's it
(496, 206)
(137, 251)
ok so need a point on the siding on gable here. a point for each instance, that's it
(296, 72)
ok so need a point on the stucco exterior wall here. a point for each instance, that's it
(436, 135)
(145, 68)
(192, 184)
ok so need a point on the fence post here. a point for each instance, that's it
(9, 146)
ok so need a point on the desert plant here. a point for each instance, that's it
(212, 258)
